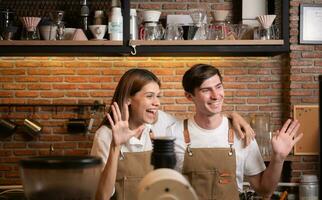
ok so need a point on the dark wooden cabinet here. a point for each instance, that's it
(151, 48)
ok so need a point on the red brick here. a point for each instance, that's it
(245, 93)
(41, 86)
(13, 86)
(76, 79)
(312, 54)
(89, 72)
(51, 79)
(257, 101)
(24, 152)
(174, 108)
(12, 72)
(63, 72)
(26, 94)
(64, 86)
(52, 94)
(77, 94)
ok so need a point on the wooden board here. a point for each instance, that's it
(308, 116)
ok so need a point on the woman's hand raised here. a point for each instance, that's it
(120, 125)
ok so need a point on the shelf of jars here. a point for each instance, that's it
(236, 47)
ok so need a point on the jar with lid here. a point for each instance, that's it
(99, 17)
(309, 188)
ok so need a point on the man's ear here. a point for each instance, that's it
(188, 96)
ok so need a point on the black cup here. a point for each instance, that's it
(7, 128)
(76, 126)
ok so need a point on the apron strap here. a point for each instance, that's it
(230, 137)
(186, 136)
(186, 132)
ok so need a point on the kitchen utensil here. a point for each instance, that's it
(197, 15)
(219, 15)
(174, 32)
(152, 31)
(7, 128)
(48, 32)
(6, 16)
(237, 31)
(151, 15)
(60, 177)
(198, 32)
(76, 126)
(79, 35)
(32, 127)
(261, 125)
(69, 33)
(30, 31)
(309, 187)
(98, 31)
(266, 22)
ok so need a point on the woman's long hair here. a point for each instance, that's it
(130, 83)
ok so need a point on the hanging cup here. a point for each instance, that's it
(7, 128)
(32, 127)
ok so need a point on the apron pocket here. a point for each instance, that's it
(128, 188)
(203, 183)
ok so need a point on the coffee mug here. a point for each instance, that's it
(32, 127)
(98, 31)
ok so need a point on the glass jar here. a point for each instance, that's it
(261, 125)
(309, 188)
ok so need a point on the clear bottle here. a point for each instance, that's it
(309, 188)
(115, 24)
(133, 25)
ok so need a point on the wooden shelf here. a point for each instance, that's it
(60, 43)
(205, 42)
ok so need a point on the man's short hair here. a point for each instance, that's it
(196, 75)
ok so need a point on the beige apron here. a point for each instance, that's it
(211, 171)
(132, 167)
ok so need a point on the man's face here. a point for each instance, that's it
(209, 97)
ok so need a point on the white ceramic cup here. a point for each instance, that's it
(98, 31)
(151, 15)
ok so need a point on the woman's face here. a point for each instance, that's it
(144, 105)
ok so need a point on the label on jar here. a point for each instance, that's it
(115, 27)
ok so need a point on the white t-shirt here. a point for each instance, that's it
(103, 138)
(249, 160)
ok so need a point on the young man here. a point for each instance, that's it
(209, 154)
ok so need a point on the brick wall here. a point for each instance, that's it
(252, 85)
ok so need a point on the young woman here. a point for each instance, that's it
(123, 141)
